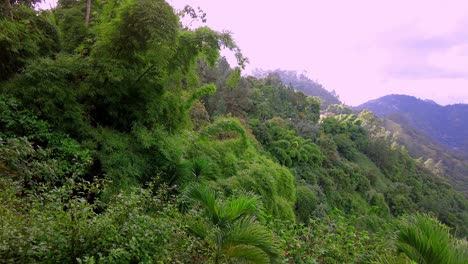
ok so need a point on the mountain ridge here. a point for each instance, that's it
(443, 124)
(429, 131)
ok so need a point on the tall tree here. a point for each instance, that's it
(88, 12)
(10, 11)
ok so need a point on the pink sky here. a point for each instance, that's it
(363, 49)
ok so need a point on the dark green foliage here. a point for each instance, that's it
(105, 126)
(16, 121)
(326, 241)
(74, 32)
(306, 202)
(29, 36)
(34, 156)
(232, 92)
(199, 116)
(38, 229)
(236, 96)
(197, 170)
(49, 88)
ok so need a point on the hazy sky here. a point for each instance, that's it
(363, 49)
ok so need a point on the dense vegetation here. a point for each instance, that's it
(435, 134)
(304, 84)
(444, 124)
(124, 138)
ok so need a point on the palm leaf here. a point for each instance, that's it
(425, 240)
(206, 198)
(246, 254)
(248, 231)
(239, 207)
(199, 228)
(201, 168)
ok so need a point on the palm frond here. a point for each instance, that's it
(240, 207)
(425, 240)
(183, 173)
(199, 228)
(247, 254)
(205, 197)
(201, 168)
(248, 231)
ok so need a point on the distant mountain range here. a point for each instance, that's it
(438, 134)
(446, 125)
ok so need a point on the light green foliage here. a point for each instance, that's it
(231, 227)
(425, 240)
(285, 145)
(347, 134)
(273, 183)
(234, 78)
(225, 129)
(406, 192)
(103, 126)
(237, 165)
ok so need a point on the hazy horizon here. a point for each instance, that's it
(361, 49)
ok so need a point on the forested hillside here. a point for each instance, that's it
(434, 134)
(125, 138)
(446, 125)
(304, 84)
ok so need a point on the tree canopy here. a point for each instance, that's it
(126, 138)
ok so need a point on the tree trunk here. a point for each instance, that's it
(10, 10)
(88, 12)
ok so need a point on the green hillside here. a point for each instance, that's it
(445, 125)
(432, 133)
(125, 138)
(304, 84)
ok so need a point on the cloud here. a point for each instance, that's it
(425, 72)
(419, 56)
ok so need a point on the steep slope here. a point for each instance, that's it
(430, 132)
(109, 155)
(444, 124)
(346, 161)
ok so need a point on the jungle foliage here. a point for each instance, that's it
(125, 138)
